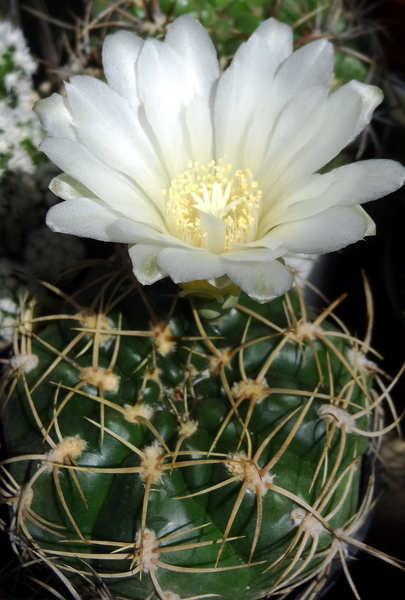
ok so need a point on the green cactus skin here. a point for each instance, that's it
(180, 458)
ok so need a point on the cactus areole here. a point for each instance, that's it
(178, 457)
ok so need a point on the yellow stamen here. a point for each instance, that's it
(214, 189)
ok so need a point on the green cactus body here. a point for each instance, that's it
(181, 458)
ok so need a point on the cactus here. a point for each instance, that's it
(167, 447)
(172, 447)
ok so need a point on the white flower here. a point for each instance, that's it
(11, 80)
(17, 120)
(211, 177)
(20, 162)
(8, 318)
(12, 42)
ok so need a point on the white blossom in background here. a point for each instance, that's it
(9, 312)
(11, 287)
(209, 177)
(24, 172)
(19, 125)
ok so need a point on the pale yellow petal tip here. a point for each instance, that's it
(371, 95)
(376, 94)
(43, 104)
(55, 185)
(39, 106)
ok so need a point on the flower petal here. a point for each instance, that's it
(165, 89)
(268, 241)
(309, 67)
(120, 53)
(297, 122)
(105, 183)
(214, 230)
(84, 217)
(139, 233)
(190, 264)
(346, 186)
(68, 188)
(192, 43)
(347, 110)
(262, 281)
(371, 227)
(55, 116)
(371, 96)
(301, 200)
(199, 130)
(330, 230)
(256, 254)
(366, 180)
(244, 91)
(278, 37)
(108, 128)
(144, 261)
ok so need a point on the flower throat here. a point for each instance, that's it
(212, 206)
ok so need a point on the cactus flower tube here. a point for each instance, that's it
(213, 177)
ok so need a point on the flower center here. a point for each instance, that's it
(213, 207)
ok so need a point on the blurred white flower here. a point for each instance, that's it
(20, 162)
(213, 177)
(9, 311)
(18, 123)
(12, 42)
